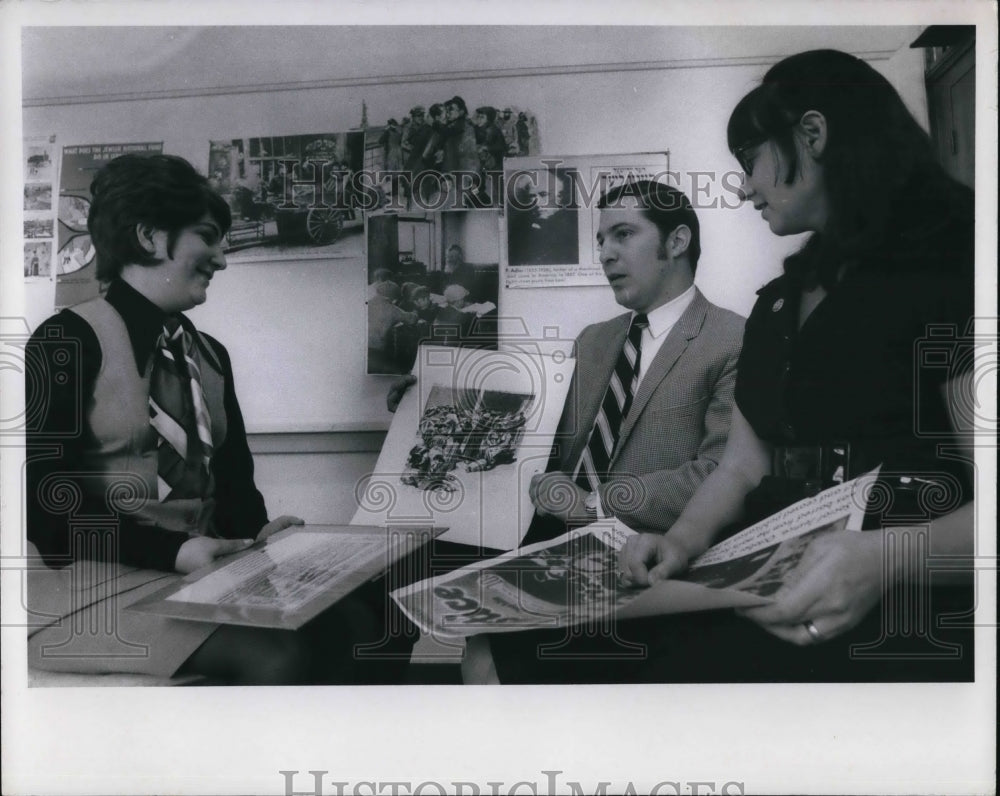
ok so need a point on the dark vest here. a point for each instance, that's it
(121, 456)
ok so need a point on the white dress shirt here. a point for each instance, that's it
(661, 321)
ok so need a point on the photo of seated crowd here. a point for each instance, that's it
(423, 291)
(460, 148)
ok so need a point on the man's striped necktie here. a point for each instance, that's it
(593, 466)
(178, 413)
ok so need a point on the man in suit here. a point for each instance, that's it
(645, 422)
(639, 450)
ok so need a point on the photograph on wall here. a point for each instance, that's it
(38, 259)
(465, 442)
(551, 216)
(39, 160)
(38, 227)
(37, 196)
(76, 267)
(292, 196)
(39, 214)
(448, 153)
(433, 279)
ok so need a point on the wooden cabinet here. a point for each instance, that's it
(950, 75)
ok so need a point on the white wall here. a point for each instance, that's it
(296, 329)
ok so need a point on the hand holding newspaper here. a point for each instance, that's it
(573, 579)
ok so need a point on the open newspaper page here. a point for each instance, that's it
(573, 579)
(465, 442)
(289, 579)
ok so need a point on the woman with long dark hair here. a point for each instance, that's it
(834, 366)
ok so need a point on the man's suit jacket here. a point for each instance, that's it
(677, 427)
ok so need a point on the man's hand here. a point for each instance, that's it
(397, 390)
(200, 551)
(649, 557)
(557, 494)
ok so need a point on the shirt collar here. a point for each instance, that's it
(663, 318)
(143, 319)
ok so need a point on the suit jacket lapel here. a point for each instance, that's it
(686, 329)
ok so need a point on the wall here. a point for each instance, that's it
(311, 313)
(295, 329)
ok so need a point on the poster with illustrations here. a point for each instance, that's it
(76, 267)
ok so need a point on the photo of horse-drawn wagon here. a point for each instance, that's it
(289, 194)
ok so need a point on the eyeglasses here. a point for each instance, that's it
(741, 154)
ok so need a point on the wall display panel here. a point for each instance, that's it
(299, 323)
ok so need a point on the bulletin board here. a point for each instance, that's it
(295, 327)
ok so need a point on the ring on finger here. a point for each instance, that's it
(812, 630)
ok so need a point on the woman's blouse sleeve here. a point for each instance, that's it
(240, 510)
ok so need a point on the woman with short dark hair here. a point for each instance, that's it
(138, 464)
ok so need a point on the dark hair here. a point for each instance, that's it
(459, 103)
(435, 110)
(878, 163)
(489, 112)
(163, 191)
(664, 205)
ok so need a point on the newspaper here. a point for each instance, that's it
(573, 579)
(288, 580)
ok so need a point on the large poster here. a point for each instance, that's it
(465, 443)
(552, 218)
(76, 266)
(293, 196)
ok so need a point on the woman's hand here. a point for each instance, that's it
(200, 551)
(649, 557)
(840, 578)
(282, 522)
(397, 390)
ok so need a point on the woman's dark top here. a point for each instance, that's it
(868, 364)
(63, 360)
